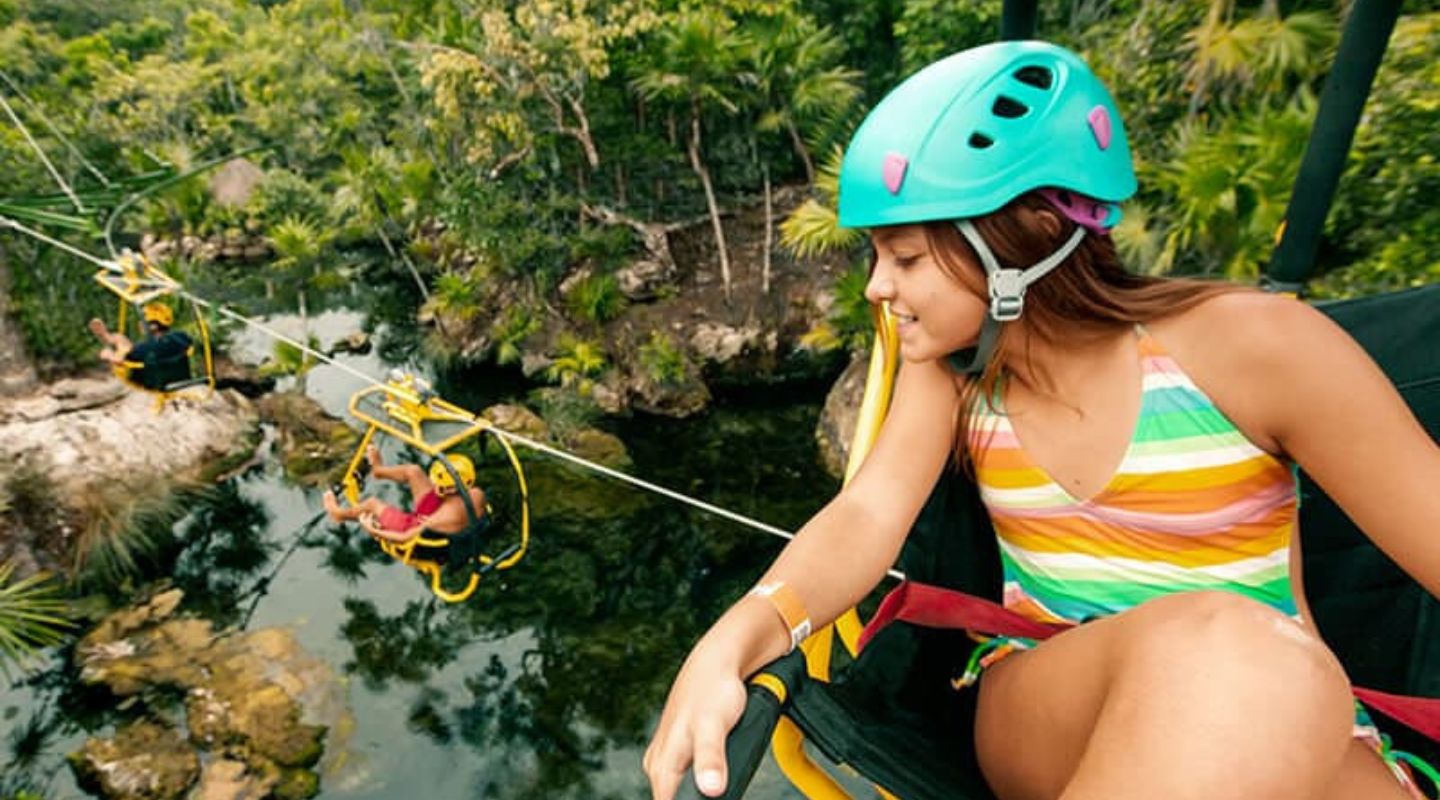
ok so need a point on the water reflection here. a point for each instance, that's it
(546, 683)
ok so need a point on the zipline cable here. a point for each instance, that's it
(513, 437)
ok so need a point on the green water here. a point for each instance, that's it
(548, 681)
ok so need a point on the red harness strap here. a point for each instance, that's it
(936, 607)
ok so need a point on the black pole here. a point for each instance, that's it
(1017, 20)
(1341, 102)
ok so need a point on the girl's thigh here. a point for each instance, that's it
(1038, 709)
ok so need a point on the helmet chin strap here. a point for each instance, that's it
(1007, 294)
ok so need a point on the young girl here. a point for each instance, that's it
(438, 505)
(1133, 439)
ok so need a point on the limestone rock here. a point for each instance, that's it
(314, 446)
(517, 419)
(842, 409)
(224, 779)
(719, 343)
(642, 279)
(677, 399)
(85, 432)
(357, 342)
(232, 184)
(144, 761)
(612, 399)
(600, 447)
(257, 697)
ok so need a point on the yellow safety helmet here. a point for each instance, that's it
(159, 312)
(442, 478)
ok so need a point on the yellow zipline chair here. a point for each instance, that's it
(406, 409)
(136, 281)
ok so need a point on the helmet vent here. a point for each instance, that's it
(980, 141)
(1039, 77)
(1009, 108)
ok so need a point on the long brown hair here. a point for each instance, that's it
(1090, 292)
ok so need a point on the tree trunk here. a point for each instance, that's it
(769, 233)
(704, 175)
(802, 151)
(592, 156)
(17, 373)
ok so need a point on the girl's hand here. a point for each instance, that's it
(705, 702)
(372, 454)
(370, 524)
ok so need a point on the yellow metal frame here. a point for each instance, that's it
(787, 743)
(408, 405)
(135, 281)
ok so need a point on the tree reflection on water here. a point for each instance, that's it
(612, 601)
(616, 586)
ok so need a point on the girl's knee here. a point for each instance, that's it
(1228, 632)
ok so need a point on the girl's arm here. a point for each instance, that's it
(838, 556)
(1330, 408)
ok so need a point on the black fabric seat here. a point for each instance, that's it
(165, 362)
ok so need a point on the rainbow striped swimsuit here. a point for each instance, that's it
(1194, 505)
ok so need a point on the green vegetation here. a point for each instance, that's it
(663, 361)
(32, 616)
(577, 364)
(511, 328)
(596, 299)
(466, 144)
(850, 322)
(120, 527)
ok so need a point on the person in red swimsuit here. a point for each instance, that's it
(438, 506)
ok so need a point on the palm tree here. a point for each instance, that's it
(696, 64)
(1267, 51)
(1229, 188)
(800, 79)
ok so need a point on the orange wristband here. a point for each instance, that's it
(787, 603)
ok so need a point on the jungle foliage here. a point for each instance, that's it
(464, 142)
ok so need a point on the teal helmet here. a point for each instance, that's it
(971, 132)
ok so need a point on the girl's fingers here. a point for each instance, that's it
(710, 767)
(665, 768)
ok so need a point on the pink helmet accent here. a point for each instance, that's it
(894, 173)
(1085, 211)
(1100, 126)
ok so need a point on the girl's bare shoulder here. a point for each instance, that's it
(1238, 348)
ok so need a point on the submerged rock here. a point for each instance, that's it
(598, 446)
(257, 697)
(314, 446)
(143, 761)
(224, 779)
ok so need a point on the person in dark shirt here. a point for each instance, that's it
(162, 358)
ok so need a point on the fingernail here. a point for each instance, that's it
(710, 781)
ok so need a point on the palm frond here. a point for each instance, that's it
(813, 229)
(32, 616)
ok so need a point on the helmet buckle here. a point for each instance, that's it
(1007, 294)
